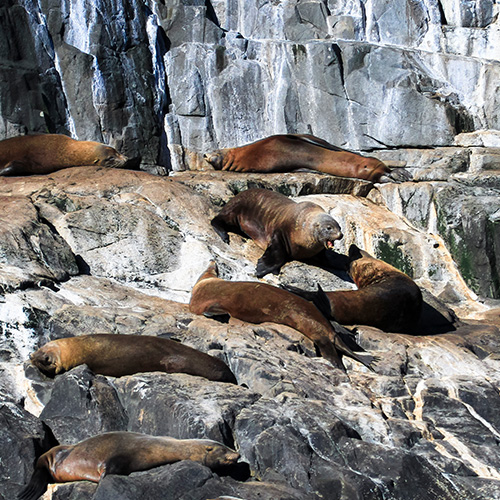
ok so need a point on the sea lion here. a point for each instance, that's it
(286, 230)
(46, 153)
(119, 355)
(386, 297)
(257, 302)
(120, 453)
(288, 152)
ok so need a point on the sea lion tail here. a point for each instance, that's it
(37, 485)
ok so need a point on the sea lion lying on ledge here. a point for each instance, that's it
(284, 229)
(119, 355)
(121, 453)
(288, 152)
(257, 302)
(386, 297)
(46, 153)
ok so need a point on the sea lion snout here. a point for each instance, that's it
(328, 231)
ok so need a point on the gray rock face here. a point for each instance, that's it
(91, 250)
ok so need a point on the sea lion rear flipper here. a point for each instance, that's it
(37, 485)
(322, 302)
(298, 291)
(274, 257)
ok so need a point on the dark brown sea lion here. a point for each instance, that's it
(285, 153)
(121, 453)
(119, 355)
(257, 302)
(46, 153)
(284, 229)
(386, 298)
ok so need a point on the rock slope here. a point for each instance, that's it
(118, 252)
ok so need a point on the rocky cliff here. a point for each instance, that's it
(93, 250)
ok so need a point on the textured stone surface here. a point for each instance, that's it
(304, 428)
(99, 251)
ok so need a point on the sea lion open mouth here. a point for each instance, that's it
(329, 244)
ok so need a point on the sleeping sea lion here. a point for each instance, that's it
(257, 302)
(386, 297)
(46, 153)
(284, 229)
(119, 355)
(120, 453)
(285, 153)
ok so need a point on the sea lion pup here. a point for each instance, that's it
(386, 297)
(285, 153)
(121, 453)
(286, 230)
(119, 355)
(46, 153)
(257, 302)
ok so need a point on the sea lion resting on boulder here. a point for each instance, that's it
(257, 302)
(386, 297)
(285, 153)
(284, 229)
(46, 153)
(121, 453)
(119, 355)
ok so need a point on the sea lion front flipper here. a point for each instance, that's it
(220, 228)
(37, 485)
(274, 257)
(12, 168)
(221, 318)
(298, 291)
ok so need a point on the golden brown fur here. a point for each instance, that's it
(119, 355)
(46, 153)
(386, 298)
(257, 302)
(121, 453)
(285, 153)
(284, 229)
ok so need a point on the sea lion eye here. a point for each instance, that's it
(210, 448)
(96, 160)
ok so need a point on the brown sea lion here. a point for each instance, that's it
(46, 153)
(386, 297)
(119, 355)
(285, 153)
(121, 453)
(284, 229)
(257, 302)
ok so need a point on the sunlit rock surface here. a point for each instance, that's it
(424, 420)
(91, 250)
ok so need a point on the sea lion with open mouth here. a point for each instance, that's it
(286, 230)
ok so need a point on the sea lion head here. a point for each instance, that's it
(326, 230)
(48, 359)
(217, 455)
(106, 156)
(215, 159)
